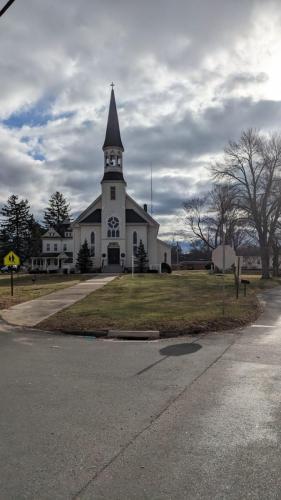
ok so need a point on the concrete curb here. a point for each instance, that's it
(134, 334)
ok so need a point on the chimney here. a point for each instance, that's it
(145, 207)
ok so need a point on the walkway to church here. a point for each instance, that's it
(33, 312)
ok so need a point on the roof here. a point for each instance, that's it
(59, 231)
(55, 254)
(134, 217)
(250, 251)
(50, 254)
(164, 243)
(94, 217)
(131, 217)
(112, 136)
(113, 176)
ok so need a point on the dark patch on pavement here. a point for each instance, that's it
(173, 350)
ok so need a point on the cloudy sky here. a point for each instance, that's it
(189, 75)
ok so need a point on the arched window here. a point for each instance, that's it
(135, 243)
(92, 248)
(113, 227)
(165, 257)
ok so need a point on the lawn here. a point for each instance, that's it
(184, 301)
(25, 289)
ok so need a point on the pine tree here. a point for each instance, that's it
(141, 257)
(34, 238)
(15, 226)
(57, 211)
(84, 261)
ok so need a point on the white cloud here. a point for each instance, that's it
(189, 76)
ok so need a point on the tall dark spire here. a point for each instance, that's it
(112, 136)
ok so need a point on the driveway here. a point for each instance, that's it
(192, 418)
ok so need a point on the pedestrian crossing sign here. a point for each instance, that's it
(11, 259)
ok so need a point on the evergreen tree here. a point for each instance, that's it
(141, 257)
(34, 238)
(15, 226)
(57, 211)
(84, 261)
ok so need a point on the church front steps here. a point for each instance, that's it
(112, 269)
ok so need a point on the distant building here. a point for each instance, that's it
(57, 250)
(113, 225)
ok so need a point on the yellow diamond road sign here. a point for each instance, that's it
(11, 259)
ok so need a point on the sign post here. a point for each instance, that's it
(223, 258)
(11, 260)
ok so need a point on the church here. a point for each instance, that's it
(113, 224)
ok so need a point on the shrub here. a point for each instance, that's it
(165, 268)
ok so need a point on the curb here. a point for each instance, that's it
(134, 334)
(124, 334)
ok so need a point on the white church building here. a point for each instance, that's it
(113, 224)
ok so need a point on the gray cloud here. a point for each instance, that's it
(185, 86)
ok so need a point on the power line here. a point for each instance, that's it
(151, 209)
(8, 4)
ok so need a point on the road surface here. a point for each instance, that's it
(189, 418)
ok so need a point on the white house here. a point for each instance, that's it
(113, 224)
(57, 250)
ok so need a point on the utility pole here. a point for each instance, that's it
(8, 4)
(151, 209)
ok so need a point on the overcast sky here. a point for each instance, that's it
(189, 75)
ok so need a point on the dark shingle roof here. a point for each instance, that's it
(112, 136)
(113, 176)
(132, 217)
(93, 217)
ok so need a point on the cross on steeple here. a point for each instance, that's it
(112, 85)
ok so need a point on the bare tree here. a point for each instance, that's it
(216, 213)
(253, 166)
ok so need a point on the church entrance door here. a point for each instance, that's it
(113, 255)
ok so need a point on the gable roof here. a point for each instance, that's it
(94, 217)
(142, 213)
(51, 233)
(134, 217)
(87, 211)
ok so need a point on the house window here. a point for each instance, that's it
(112, 193)
(55, 262)
(48, 247)
(165, 257)
(135, 243)
(48, 262)
(113, 227)
(55, 247)
(64, 247)
(93, 238)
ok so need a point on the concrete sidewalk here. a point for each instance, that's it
(34, 311)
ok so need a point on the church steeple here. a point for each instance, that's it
(113, 147)
(112, 136)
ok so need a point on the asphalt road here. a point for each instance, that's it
(189, 418)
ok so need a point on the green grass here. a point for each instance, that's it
(25, 289)
(183, 301)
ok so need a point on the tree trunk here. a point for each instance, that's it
(275, 262)
(265, 262)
